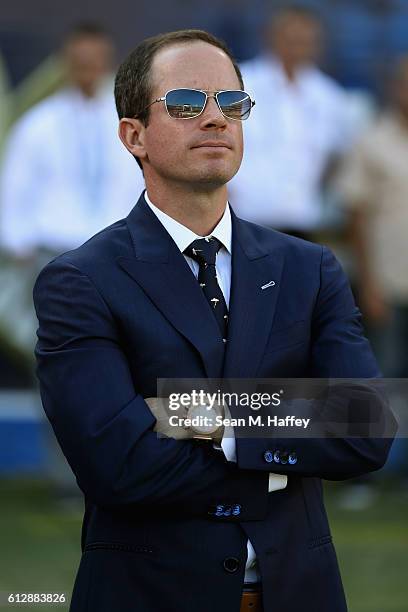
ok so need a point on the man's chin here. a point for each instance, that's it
(216, 177)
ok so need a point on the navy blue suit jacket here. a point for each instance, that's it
(123, 310)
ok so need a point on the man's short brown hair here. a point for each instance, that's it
(133, 83)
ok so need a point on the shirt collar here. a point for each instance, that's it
(183, 236)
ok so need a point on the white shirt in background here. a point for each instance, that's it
(65, 174)
(294, 129)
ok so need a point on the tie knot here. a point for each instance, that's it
(204, 250)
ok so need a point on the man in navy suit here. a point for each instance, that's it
(186, 525)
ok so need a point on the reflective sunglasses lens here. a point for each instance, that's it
(235, 104)
(185, 103)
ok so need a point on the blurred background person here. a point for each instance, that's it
(373, 183)
(64, 177)
(301, 124)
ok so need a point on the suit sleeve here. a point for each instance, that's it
(104, 426)
(338, 350)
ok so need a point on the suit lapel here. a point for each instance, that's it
(252, 308)
(164, 275)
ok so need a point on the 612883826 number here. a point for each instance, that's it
(22, 598)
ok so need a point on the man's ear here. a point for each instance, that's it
(132, 134)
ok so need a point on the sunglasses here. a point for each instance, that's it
(190, 103)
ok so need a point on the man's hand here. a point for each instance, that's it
(189, 422)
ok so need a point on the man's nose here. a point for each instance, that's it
(212, 116)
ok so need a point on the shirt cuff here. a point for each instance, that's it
(277, 482)
(228, 446)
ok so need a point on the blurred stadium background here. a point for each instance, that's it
(40, 510)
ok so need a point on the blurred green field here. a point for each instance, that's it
(40, 546)
(372, 547)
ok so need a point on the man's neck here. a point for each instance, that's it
(290, 71)
(200, 211)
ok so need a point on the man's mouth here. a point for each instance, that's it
(213, 143)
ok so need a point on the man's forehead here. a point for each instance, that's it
(196, 65)
(197, 57)
(188, 50)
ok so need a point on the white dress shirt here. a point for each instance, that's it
(183, 237)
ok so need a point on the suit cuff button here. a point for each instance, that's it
(284, 456)
(268, 456)
(276, 456)
(292, 458)
(236, 509)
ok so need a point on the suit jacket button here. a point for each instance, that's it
(236, 510)
(292, 458)
(231, 564)
(284, 457)
(276, 456)
(268, 456)
(227, 511)
(219, 511)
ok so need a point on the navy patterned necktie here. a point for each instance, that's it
(204, 252)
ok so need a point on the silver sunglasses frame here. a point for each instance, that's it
(207, 96)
